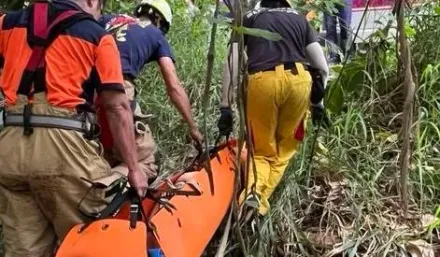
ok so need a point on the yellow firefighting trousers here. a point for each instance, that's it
(277, 105)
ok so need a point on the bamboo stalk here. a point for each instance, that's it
(240, 95)
(409, 91)
(209, 69)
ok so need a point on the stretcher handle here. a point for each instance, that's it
(136, 208)
(119, 199)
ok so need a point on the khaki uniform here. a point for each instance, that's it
(43, 174)
(145, 145)
(41, 185)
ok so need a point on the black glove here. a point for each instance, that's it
(319, 115)
(318, 87)
(226, 122)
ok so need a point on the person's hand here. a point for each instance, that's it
(225, 122)
(318, 115)
(197, 137)
(139, 182)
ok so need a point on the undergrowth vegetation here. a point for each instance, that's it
(346, 201)
(349, 203)
(189, 38)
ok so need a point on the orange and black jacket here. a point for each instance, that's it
(81, 61)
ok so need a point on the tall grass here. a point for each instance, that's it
(189, 40)
(348, 204)
(351, 206)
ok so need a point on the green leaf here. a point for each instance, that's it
(437, 9)
(336, 68)
(221, 20)
(352, 77)
(335, 99)
(258, 33)
(379, 33)
(409, 31)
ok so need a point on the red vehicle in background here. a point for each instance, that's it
(373, 3)
(378, 14)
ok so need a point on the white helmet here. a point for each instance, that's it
(160, 6)
(258, 5)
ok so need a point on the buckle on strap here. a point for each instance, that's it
(29, 121)
(27, 113)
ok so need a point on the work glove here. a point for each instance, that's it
(318, 85)
(226, 122)
(319, 115)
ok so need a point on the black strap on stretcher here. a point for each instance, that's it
(44, 25)
(157, 194)
(121, 196)
(136, 212)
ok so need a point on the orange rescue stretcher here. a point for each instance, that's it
(184, 211)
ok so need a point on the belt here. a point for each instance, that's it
(287, 66)
(45, 121)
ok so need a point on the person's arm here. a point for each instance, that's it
(231, 64)
(231, 70)
(178, 95)
(231, 67)
(316, 57)
(314, 53)
(116, 106)
(120, 121)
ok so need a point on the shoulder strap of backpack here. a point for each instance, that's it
(42, 31)
(44, 26)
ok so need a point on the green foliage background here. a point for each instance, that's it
(189, 38)
(350, 196)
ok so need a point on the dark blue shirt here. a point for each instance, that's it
(139, 42)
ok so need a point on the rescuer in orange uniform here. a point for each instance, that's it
(49, 52)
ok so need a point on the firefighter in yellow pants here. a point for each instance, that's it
(278, 94)
(277, 104)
